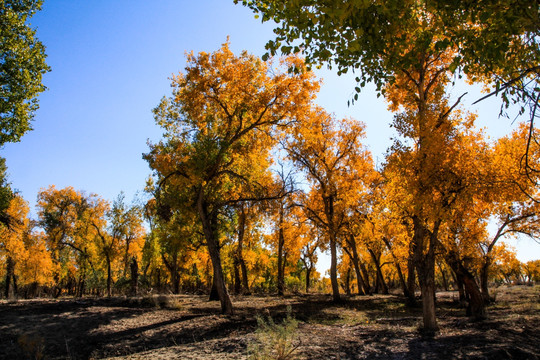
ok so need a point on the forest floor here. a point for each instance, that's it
(190, 327)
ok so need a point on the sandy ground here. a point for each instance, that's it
(190, 327)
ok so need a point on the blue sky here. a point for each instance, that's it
(111, 61)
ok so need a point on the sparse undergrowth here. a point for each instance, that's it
(190, 327)
(275, 341)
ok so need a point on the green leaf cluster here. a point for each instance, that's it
(22, 65)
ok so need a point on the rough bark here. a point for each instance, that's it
(425, 267)
(109, 276)
(443, 275)
(411, 278)
(348, 282)
(308, 279)
(172, 266)
(134, 278)
(212, 241)
(241, 283)
(280, 261)
(333, 269)
(11, 281)
(484, 276)
(365, 276)
(380, 278)
(355, 259)
(476, 307)
(236, 271)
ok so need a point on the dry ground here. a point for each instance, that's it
(190, 327)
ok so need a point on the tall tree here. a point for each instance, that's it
(68, 217)
(218, 126)
(337, 165)
(385, 39)
(22, 65)
(13, 249)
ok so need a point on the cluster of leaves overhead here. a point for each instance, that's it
(22, 65)
(380, 38)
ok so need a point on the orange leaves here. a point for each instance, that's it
(11, 238)
(222, 122)
(331, 154)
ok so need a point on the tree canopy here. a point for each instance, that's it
(22, 65)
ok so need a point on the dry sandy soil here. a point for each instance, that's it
(190, 327)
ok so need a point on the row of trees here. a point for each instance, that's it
(78, 241)
(252, 178)
(250, 169)
(411, 50)
(69, 251)
(231, 118)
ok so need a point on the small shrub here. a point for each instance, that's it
(32, 346)
(148, 302)
(293, 284)
(275, 341)
(162, 301)
(174, 304)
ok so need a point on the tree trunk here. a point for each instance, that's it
(333, 269)
(176, 281)
(109, 276)
(425, 267)
(398, 268)
(332, 234)
(134, 269)
(380, 278)
(365, 276)
(11, 281)
(308, 278)
(280, 269)
(359, 280)
(158, 279)
(209, 223)
(484, 276)
(245, 281)
(355, 258)
(214, 296)
(443, 275)
(348, 281)
(240, 253)
(411, 277)
(476, 307)
(173, 268)
(236, 270)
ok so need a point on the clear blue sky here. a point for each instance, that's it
(111, 61)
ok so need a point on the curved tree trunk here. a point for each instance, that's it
(365, 276)
(363, 289)
(212, 241)
(398, 268)
(380, 278)
(476, 307)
